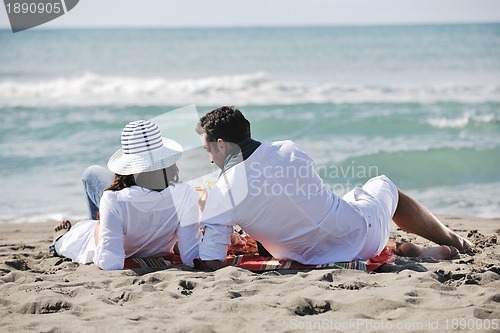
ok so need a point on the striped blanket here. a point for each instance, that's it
(258, 263)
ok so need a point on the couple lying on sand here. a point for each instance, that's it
(271, 191)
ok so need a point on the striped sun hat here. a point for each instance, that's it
(143, 149)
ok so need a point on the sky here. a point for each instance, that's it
(224, 13)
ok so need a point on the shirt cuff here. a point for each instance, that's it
(214, 244)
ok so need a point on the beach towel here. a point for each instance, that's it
(255, 263)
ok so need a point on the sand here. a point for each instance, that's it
(43, 294)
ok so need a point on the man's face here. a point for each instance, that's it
(217, 154)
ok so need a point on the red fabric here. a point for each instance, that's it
(387, 256)
(258, 263)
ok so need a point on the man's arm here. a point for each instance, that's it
(212, 265)
(213, 247)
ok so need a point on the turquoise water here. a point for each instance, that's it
(420, 104)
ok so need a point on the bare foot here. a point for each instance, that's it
(441, 252)
(61, 228)
(467, 246)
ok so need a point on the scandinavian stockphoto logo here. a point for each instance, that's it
(24, 14)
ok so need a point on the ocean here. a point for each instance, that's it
(420, 104)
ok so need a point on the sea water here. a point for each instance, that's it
(420, 104)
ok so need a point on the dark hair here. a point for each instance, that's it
(122, 181)
(226, 123)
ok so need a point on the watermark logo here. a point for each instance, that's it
(25, 14)
(299, 181)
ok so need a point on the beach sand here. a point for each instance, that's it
(43, 294)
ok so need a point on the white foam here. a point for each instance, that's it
(39, 218)
(245, 89)
(462, 121)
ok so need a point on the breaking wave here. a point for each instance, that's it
(246, 89)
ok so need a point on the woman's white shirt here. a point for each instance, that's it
(139, 222)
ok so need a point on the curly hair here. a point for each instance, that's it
(226, 123)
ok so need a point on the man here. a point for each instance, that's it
(273, 192)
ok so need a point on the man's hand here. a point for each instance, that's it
(203, 197)
(237, 239)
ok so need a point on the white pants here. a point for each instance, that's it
(376, 201)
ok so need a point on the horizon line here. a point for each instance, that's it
(263, 26)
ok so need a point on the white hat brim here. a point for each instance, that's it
(160, 158)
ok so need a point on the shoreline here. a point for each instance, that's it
(39, 293)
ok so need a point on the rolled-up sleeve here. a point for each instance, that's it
(110, 251)
(215, 241)
(218, 222)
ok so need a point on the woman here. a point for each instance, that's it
(144, 212)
